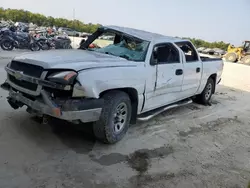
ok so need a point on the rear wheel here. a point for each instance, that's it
(115, 118)
(231, 57)
(207, 93)
(34, 47)
(246, 60)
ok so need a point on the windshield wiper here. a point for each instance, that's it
(108, 53)
(125, 57)
(122, 56)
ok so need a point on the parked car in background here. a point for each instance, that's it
(107, 37)
(200, 49)
(215, 51)
(69, 31)
(208, 51)
(219, 51)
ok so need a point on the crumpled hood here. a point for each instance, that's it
(73, 59)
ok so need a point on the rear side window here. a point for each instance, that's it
(167, 54)
(189, 51)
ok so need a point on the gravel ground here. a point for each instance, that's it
(192, 146)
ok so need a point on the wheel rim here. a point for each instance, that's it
(120, 117)
(208, 91)
(231, 58)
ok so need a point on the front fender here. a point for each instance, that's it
(95, 81)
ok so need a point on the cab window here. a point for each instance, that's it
(167, 54)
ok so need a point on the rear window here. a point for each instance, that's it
(189, 51)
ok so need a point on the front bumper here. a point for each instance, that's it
(84, 110)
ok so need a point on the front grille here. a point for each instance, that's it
(23, 84)
(28, 69)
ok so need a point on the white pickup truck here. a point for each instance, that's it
(134, 77)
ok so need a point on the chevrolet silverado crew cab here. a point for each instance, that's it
(112, 83)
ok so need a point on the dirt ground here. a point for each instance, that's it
(192, 146)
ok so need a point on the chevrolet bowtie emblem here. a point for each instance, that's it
(18, 75)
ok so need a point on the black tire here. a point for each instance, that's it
(105, 128)
(246, 60)
(9, 47)
(231, 57)
(34, 47)
(205, 96)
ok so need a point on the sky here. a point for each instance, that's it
(211, 20)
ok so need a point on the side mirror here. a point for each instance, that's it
(155, 52)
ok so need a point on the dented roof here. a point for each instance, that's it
(144, 35)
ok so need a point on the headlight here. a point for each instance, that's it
(65, 77)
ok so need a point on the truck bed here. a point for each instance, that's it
(204, 58)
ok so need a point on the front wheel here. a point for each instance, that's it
(231, 57)
(115, 117)
(205, 96)
(7, 45)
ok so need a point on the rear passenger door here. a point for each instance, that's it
(192, 68)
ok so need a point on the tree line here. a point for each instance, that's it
(20, 15)
(201, 43)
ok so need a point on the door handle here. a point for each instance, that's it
(198, 69)
(179, 72)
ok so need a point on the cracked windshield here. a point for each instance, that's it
(120, 45)
(124, 94)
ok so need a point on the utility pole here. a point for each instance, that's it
(74, 24)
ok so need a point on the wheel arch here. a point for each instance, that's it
(214, 78)
(133, 95)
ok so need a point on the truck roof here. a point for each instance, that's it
(145, 35)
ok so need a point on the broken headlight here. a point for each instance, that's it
(78, 90)
(64, 77)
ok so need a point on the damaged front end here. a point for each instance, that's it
(53, 93)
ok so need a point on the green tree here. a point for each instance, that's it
(20, 15)
(201, 43)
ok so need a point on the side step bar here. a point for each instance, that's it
(149, 115)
